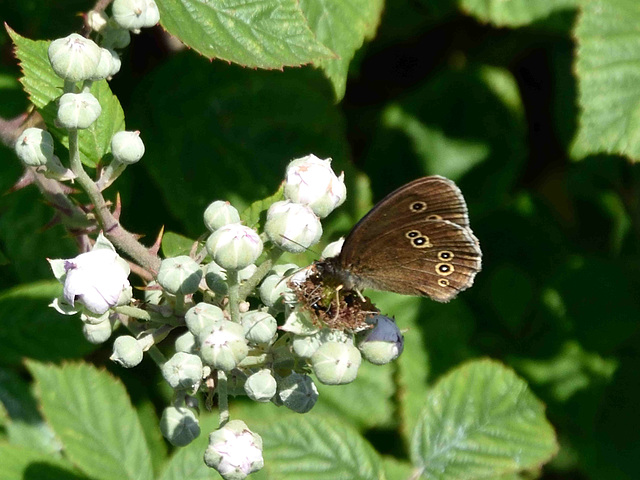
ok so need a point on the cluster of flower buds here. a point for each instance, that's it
(312, 191)
(269, 349)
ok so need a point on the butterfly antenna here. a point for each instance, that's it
(301, 245)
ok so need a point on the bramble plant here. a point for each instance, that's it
(237, 315)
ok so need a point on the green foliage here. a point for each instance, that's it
(500, 96)
(91, 414)
(481, 421)
(608, 67)
(44, 87)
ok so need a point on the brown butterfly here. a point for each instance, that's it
(415, 241)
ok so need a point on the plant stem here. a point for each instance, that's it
(234, 295)
(223, 400)
(249, 285)
(121, 238)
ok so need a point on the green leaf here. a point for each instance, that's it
(318, 448)
(25, 426)
(253, 214)
(93, 417)
(422, 137)
(174, 244)
(44, 87)
(341, 25)
(413, 365)
(397, 469)
(608, 71)
(29, 328)
(515, 13)
(255, 123)
(481, 421)
(267, 34)
(22, 463)
(155, 441)
(367, 402)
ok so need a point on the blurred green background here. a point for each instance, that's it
(437, 91)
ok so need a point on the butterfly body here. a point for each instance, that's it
(416, 241)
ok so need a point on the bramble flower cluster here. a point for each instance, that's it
(240, 323)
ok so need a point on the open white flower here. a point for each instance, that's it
(96, 279)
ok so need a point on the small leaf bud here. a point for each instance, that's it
(74, 57)
(183, 370)
(234, 451)
(202, 317)
(292, 226)
(383, 343)
(261, 386)
(223, 346)
(127, 352)
(179, 425)
(336, 363)
(97, 333)
(259, 327)
(298, 392)
(116, 37)
(127, 147)
(216, 279)
(311, 181)
(78, 110)
(272, 290)
(186, 343)
(179, 275)
(34, 147)
(220, 213)
(332, 249)
(135, 14)
(234, 246)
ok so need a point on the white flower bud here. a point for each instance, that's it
(223, 346)
(78, 110)
(135, 14)
(34, 147)
(183, 370)
(336, 363)
(220, 213)
(97, 333)
(272, 290)
(179, 275)
(311, 181)
(74, 57)
(94, 319)
(234, 246)
(127, 147)
(234, 451)
(179, 425)
(292, 226)
(333, 249)
(259, 327)
(127, 351)
(97, 20)
(96, 279)
(153, 295)
(383, 343)
(202, 316)
(104, 67)
(261, 386)
(298, 392)
(116, 63)
(186, 343)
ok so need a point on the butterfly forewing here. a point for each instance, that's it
(416, 241)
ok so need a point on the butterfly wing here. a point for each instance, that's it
(399, 245)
